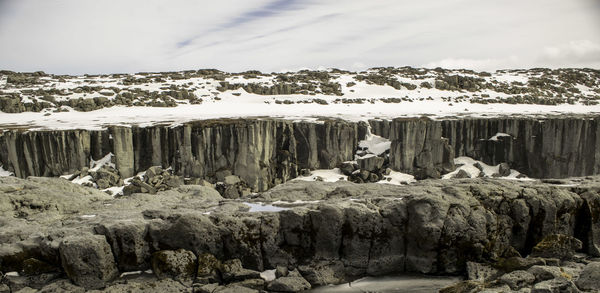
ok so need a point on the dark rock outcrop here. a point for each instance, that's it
(433, 227)
(262, 152)
(548, 147)
(265, 152)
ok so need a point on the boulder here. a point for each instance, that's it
(255, 284)
(558, 285)
(131, 189)
(127, 238)
(289, 284)
(153, 171)
(370, 163)
(543, 273)
(88, 260)
(347, 168)
(61, 286)
(480, 272)
(232, 270)
(208, 269)
(517, 279)
(323, 273)
(518, 263)
(557, 246)
(468, 286)
(220, 175)
(589, 279)
(33, 266)
(461, 174)
(281, 271)
(503, 169)
(178, 264)
(231, 180)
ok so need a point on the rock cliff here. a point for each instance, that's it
(551, 147)
(346, 231)
(265, 152)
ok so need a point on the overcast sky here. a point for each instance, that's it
(108, 36)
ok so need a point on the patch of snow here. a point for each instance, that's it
(468, 164)
(296, 202)
(84, 180)
(115, 190)
(5, 173)
(124, 274)
(398, 178)
(268, 275)
(366, 156)
(88, 216)
(12, 274)
(327, 175)
(499, 134)
(375, 144)
(105, 161)
(261, 207)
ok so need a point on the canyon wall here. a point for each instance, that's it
(554, 147)
(265, 152)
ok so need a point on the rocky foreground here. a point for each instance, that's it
(501, 235)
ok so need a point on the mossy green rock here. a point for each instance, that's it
(557, 246)
(177, 264)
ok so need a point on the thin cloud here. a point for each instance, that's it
(268, 10)
(84, 36)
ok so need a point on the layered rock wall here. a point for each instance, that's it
(263, 152)
(555, 147)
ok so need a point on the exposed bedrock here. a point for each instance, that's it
(554, 147)
(433, 227)
(265, 152)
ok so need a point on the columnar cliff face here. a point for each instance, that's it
(541, 148)
(262, 152)
(265, 152)
(419, 148)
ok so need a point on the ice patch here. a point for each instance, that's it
(296, 202)
(499, 134)
(261, 207)
(5, 173)
(398, 178)
(105, 161)
(326, 175)
(130, 273)
(375, 144)
(85, 180)
(468, 165)
(268, 275)
(115, 190)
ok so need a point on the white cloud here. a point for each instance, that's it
(79, 36)
(476, 64)
(582, 52)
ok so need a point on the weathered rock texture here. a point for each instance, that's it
(262, 152)
(553, 147)
(432, 227)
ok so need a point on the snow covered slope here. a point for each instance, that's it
(38, 100)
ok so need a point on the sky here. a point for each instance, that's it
(118, 36)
